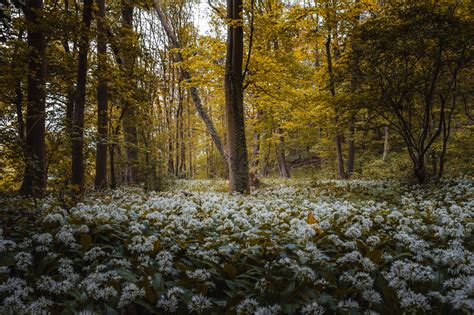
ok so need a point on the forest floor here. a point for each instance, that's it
(310, 247)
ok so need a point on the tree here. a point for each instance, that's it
(102, 99)
(192, 89)
(34, 180)
(234, 100)
(412, 70)
(129, 107)
(79, 106)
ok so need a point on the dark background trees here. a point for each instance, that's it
(414, 70)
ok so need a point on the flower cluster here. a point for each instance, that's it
(283, 249)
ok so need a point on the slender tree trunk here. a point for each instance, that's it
(190, 141)
(386, 144)
(102, 110)
(266, 159)
(113, 175)
(70, 89)
(19, 92)
(19, 110)
(351, 155)
(34, 180)
(332, 89)
(354, 84)
(281, 157)
(238, 164)
(446, 130)
(129, 119)
(78, 117)
(256, 142)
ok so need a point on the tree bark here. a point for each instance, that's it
(78, 116)
(238, 163)
(386, 144)
(256, 142)
(129, 119)
(102, 100)
(34, 180)
(332, 89)
(281, 157)
(351, 149)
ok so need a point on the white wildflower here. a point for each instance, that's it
(199, 303)
(130, 292)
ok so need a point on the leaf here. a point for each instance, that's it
(230, 270)
(85, 241)
(375, 256)
(110, 311)
(150, 294)
(311, 219)
(157, 281)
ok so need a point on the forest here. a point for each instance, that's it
(236, 157)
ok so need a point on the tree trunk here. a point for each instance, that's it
(70, 98)
(420, 170)
(386, 144)
(19, 110)
(102, 110)
(129, 119)
(256, 143)
(282, 165)
(351, 155)
(78, 116)
(332, 89)
(238, 164)
(113, 175)
(266, 159)
(354, 85)
(34, 180)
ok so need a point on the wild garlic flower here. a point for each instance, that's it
(199, 274)
(348, 305)
(130, 292)
(23, 261)
(199, 304)
(312, 309)
(247, 306)
(268, 310)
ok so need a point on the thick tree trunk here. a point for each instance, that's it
(102, 110)
(238, 163)
(420, 171)
(78, 117)
(34, 180)
(281, 157)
